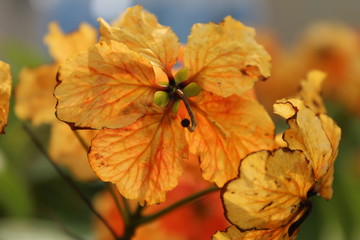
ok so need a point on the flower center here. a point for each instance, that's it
(176, 90)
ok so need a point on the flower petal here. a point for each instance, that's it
(306, 133)
(228, 60)
(144, 160)
(5, 91)
(141, 32)
(334, 134)
(62, 46)
(228, 129)
(232, 233)
(270, 190)
(311, 89)
(65, 149)
(34, 98)
(110, 86)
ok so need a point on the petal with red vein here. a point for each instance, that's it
(270, 190)
(109, 86)
(144, 160)
(141, 32)
(228, 129)
(228, 60)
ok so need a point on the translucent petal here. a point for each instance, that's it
(34, 98)
(110, 86)
(141, 32)
(228, 60)
(228, 129)
(144, 160)
(62, 46)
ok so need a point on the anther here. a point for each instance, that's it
(186, 122)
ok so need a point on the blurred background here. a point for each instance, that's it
(35, 202)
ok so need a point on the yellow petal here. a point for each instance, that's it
(62, 46)
(66, 150)
(270, 190)
(141, 32)
(228, 129)
(5, 91)
(34, 98)
(232, 233)
(306, 133)
(310, 91)
(110, 86)
(225, 58)
(334, 134)
(144, 160)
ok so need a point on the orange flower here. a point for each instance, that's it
(5, 91)
(328, 46)
(196, 220)
(271, 197)
(35, 100)
(119, 84)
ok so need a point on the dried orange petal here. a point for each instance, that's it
(334, 134)
(310, 91)
(110, 86)
(34, 94)
(228, 129)
(144, 160)
(141, 32)
(5, 91)
(270, 190)
(228, 60)
(232, 233)
(66, 150)
(63, 46)
(316, 135)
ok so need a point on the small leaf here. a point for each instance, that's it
(176, 105)
(192, 90)
(181, 75)
(161, 98)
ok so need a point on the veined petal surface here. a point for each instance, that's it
(109, 86)
(141, 32)
(5, 91)
(232, 233)
(144, 160)
(270, 190)
(62, 46)
(228, 129)
(225, 58)
(316, 135)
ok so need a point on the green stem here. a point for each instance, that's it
(127, 209)
(81, 140)
(188, 199)
(67, 179)
(124, 214)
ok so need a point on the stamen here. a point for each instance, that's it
(191, 127)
